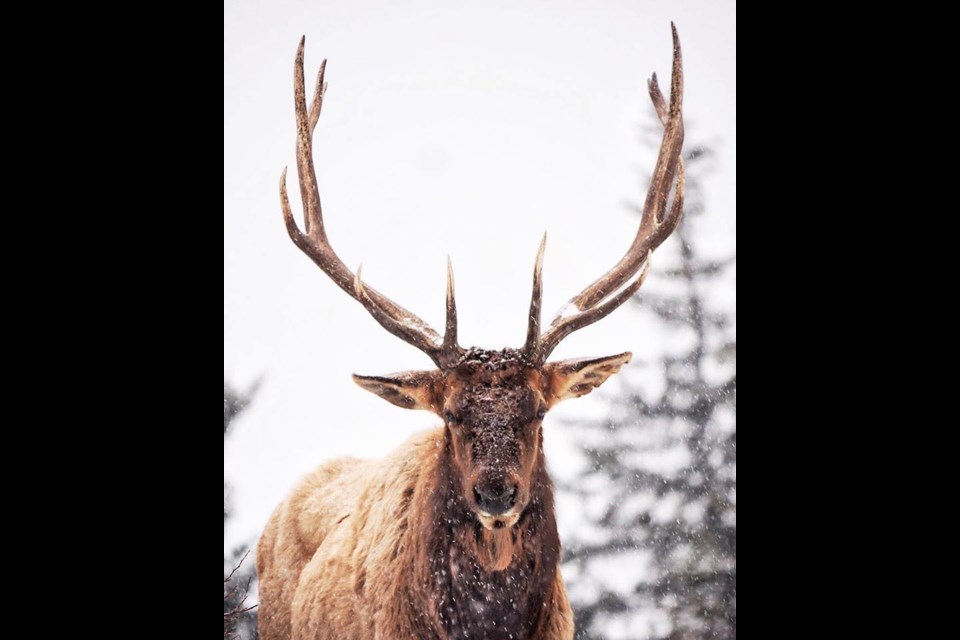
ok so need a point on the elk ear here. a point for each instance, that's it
(410, 389)
(574, 378)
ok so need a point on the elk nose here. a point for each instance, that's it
(495, 497)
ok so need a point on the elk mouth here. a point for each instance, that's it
(499, 521)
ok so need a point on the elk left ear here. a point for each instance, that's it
(574, 378)
(409, 390)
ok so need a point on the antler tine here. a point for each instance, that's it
(309, 192)
(533, 325)
(664, 114)
(314, 243)
(450, 352)
(656, 224)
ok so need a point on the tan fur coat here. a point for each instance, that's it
(384, 550)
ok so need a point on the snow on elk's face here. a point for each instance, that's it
(493, 410)
(492, 404)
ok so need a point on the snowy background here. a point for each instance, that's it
(465, 129)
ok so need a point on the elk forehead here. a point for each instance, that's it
(493, 388)
(496, 405)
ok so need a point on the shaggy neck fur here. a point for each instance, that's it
(485, 583)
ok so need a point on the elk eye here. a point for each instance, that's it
(541, 414)
(450, 418)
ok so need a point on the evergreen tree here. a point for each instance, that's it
(239, 618)
(656, 554)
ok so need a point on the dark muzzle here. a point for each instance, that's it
(495, 497)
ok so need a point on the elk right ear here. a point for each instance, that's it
(409, 390)
(575, 378)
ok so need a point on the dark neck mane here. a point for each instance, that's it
(481, 583)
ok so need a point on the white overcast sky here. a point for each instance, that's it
(460, 128)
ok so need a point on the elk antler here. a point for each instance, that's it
(394, 318)
(608, 292)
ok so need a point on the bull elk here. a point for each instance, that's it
(454, 534)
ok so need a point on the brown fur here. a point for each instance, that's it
(403, 548)
(389, 550)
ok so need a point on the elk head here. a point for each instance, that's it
(493, 402)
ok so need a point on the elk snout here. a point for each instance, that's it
(496, 496)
